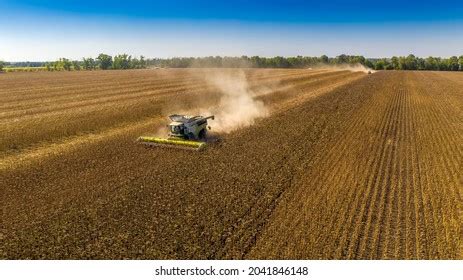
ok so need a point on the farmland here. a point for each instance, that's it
(343, 165)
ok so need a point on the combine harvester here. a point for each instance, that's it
(186, 132)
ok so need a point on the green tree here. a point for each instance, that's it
(88, 63)
(105, 61)
(1, 65)
(410, 62)
(134, 63)
(442, 64)
(76, 65)
(65, 63)
(256, 61)
(402, 63)
(122, 61)
(420, 64)
(395, 63)
(142, 61)
(62, 64)
(453, 63)
(369, 64)
(381, 64)
(324, 59)
(356, 60)
(341, 59)
(460, 62)
(430, 63)
(139, 63)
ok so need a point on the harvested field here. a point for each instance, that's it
(343, 166)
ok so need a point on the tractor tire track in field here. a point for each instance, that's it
(347, 166)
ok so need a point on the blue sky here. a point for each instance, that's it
(46, 30)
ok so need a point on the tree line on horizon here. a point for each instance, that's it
(102, 62)
(409, 62)
(124, 61)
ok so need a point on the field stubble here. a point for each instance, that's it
(347, 166)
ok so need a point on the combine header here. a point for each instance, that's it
(187, 132)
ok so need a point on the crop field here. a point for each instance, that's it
(331, 164)
(24, 69)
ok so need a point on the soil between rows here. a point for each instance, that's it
(114, 199)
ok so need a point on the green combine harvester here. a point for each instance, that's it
(186, 132)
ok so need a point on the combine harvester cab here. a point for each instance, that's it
(185, 132)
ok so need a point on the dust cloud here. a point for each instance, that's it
(237, 107)
(233, 99)
(349, 67)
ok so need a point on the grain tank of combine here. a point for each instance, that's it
(184, 132)
(188, 127)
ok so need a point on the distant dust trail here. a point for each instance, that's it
(349, 67)
(238, 105)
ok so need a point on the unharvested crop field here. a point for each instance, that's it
(342, 165)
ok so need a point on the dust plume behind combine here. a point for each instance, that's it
(231, 95)
(235, 101)
(349, 67)
(237, 107)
